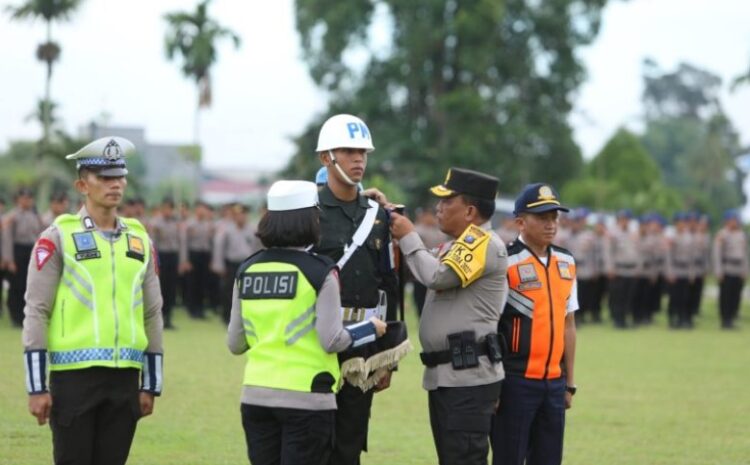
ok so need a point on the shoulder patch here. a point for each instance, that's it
(468, 254)
(43, 251)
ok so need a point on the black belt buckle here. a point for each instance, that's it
(454, 346)
(471, 359)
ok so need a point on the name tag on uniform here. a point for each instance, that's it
(269, 285)
(527, 273)
(564, 269)
(85, 246)
(136, 249)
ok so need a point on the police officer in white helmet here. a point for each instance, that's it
(354, 232)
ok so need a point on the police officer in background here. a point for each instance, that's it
(626, 262)
(2, 269)
(234, 241)
(680, 273)
(165, 232)
(21, 228)
(97, 346)
(59, 203)
(354, 233)
(699, 230)
(658, 255)
(731, 266)
(604, 266)
(538, 323)
(582, 245)
(286, 317)
(196, 244)
(458, 329)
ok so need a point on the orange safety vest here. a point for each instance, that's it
(533, 321)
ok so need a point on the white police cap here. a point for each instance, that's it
(105, 155)
(292, 195)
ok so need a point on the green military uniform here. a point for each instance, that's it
(367, 272)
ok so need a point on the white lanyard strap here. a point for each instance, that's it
(360, 234)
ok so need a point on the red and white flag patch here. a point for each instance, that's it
(44, 250)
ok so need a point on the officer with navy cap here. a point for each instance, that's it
(730, 266)
(94, 307)
(466, 284)
(538, 324)
(627, 263)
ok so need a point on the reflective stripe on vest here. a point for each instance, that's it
(97, 318)
(533, 321)
(285, 352)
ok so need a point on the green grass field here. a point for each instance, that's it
(647, 396)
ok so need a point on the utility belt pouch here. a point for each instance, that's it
(494, 348)
(470, 352)
(454, 346)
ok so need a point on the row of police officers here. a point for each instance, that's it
(638, 265)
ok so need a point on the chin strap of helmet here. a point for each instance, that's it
(338, 168)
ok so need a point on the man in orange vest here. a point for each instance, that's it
(539, 328)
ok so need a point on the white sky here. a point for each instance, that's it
(113, 62)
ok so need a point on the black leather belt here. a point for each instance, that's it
(433, 359)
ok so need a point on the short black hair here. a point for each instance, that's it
(485, 207)
(293, 228)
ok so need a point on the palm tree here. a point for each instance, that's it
(49, 51)
(193, 37)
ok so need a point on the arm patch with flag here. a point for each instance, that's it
(43, 251)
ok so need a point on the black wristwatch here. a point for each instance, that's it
(571, 389)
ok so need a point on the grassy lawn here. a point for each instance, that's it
(646, 396)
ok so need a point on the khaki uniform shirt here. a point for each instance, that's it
(701, 254)
(20, 227)
(680, 257)
(626, 254)
(730, 253)
(450, 308)
(583, 247)
(165, 232)
(42, 290)
(196, 236)
(233, 244)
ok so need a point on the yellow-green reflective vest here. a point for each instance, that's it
(278, 289)
(97, 318)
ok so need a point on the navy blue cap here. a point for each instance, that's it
(625, 213)
(538, 198)
(731, 214)
(680, 216)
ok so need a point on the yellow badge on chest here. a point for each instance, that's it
(468, 254)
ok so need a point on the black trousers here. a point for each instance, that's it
(2, 289)
(641, 300)
(695, 293)
(94, 415)
(678, 311)
(198, 283)
(168, 282)
(352, 423)
(587, 295)
(654, 299)
(227, 286)
(283, 436)
(530, 422)
(602, 288)
(461, 419)
(730, 293)
(622, 295)
(17, 282)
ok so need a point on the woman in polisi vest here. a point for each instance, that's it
(286, 317)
